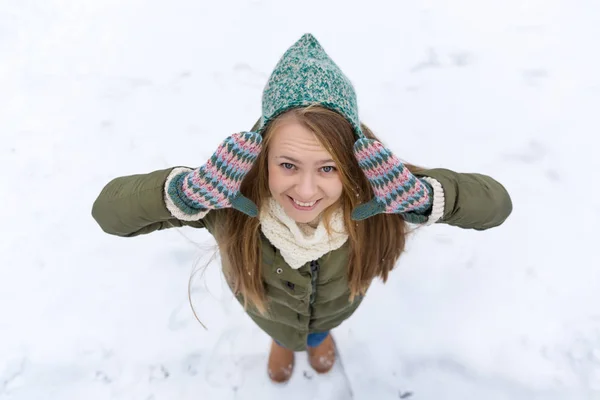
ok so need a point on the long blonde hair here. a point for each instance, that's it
(375, 243)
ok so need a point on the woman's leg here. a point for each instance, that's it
(315, 339)
(281, 363)
(321, 351)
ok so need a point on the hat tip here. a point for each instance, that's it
(308, 37)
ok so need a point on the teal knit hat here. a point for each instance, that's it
(306, 75)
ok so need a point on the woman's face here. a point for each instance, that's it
(303, 177)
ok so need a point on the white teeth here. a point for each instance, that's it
(304, 204)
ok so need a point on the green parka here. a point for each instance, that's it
(315, 297)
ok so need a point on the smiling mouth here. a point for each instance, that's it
(303, 206)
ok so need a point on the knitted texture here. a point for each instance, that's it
(300, 243)
(216, 184)
(439, 200)
(306, 75)
(396, 189)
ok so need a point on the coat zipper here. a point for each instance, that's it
(314, 269)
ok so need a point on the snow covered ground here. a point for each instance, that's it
(90, 90)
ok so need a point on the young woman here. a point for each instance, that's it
(307, 208)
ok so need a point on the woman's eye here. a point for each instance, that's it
(287, 166)
(328, 169)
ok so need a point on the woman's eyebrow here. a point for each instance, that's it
(300, 162)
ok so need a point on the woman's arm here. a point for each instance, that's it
(471, 201)
(135, 205)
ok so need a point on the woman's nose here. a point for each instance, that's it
(307, 187)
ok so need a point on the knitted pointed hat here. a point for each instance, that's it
(306, 75)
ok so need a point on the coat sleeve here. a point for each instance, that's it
(134, 205)
(471, 201)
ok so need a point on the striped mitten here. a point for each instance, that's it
(396, 189)
(216, 184)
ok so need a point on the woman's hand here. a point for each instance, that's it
(396, 189)
(216, 184)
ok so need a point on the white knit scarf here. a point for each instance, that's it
(300, 243)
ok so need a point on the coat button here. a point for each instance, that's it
(279, 271)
